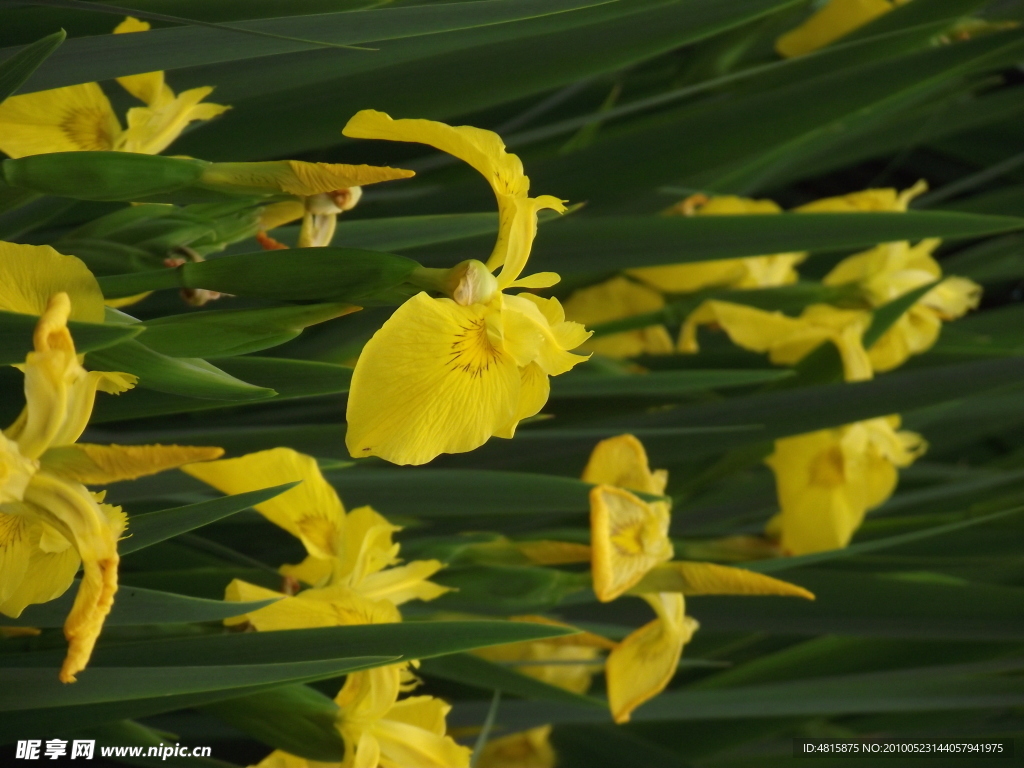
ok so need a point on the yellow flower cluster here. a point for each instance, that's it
(50, 522)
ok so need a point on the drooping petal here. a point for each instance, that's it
(622, 461)
(90, 464)
(833, 21)
(335, 606)
(691, 578)
(31, 274)
(434, 379)
(644, 663)
(70, 119)
(311, 511)
(93, 531)
(534, 390)
(37, 564)
(403, 583)
(628, 537)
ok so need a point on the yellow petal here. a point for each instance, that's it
(534, 390)
(537, 280)
(628, 537)
(722, 205)
(526, 749)
(59, 393)
(565, 664)
(622, 461)
(101, 464)
(94, 532)
(690, 578)
(70, 119)
(126, 301)
(613, 300)
(28, 574)
(484, 151)
(152, 129)
(536, 331)
(644, 663)
(31, 274)
(413, 734)
(404, 583)
(887, 199)
(278, 214)
(314, 571)
(835, 20)
(434, 379)
(335, 606)
(148, 87)
(367, 545)
(311, 511)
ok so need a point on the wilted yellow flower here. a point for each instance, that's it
(49, 522)
(380, 730)
(787, 340)
(827, 480)
(614, 299)
(836, 19)
(351, 551)
(445, 375)
(526, 749)
(629, 539)
(888, 271)
(748, 272)
(79, 117)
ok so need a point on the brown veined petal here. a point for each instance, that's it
(434, 379)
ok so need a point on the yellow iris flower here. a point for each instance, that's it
(630, 550)
(80, 117)
(836, 19)
(827, 480)
(749, 272)
(50, 523)
(526, 749)
(445, 375)
(890, 270)
(615, 299)
(348, 553)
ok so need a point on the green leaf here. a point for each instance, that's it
(595, 244)
(154, 527)
(288, 378)
(295, 718)
(229, 332)
(490, 676)
(297, 274)
(507, 590)
(103, 57)
(403, 232)
(659, 383)
(175, 375)
(17, 68)
(134, 607)
(16, 336)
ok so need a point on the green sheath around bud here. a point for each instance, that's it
(102, 175)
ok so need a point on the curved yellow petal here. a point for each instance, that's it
(542, 321)
(628, 537)
(622, 461)
(29, 573)
(526, 749)
(645, 662)
(434, 379)
(70, 119)
(93, 530)
(404, 583)
(537, 280)
(835, 20)
(885, 199)
(334, 606)
(534, 390)
(31, 274)
(90, 464)
(148, 87)
(154, 128)
(485, 151)
(278, 214)
(413, 734)
(311, 511)
(691, 578)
